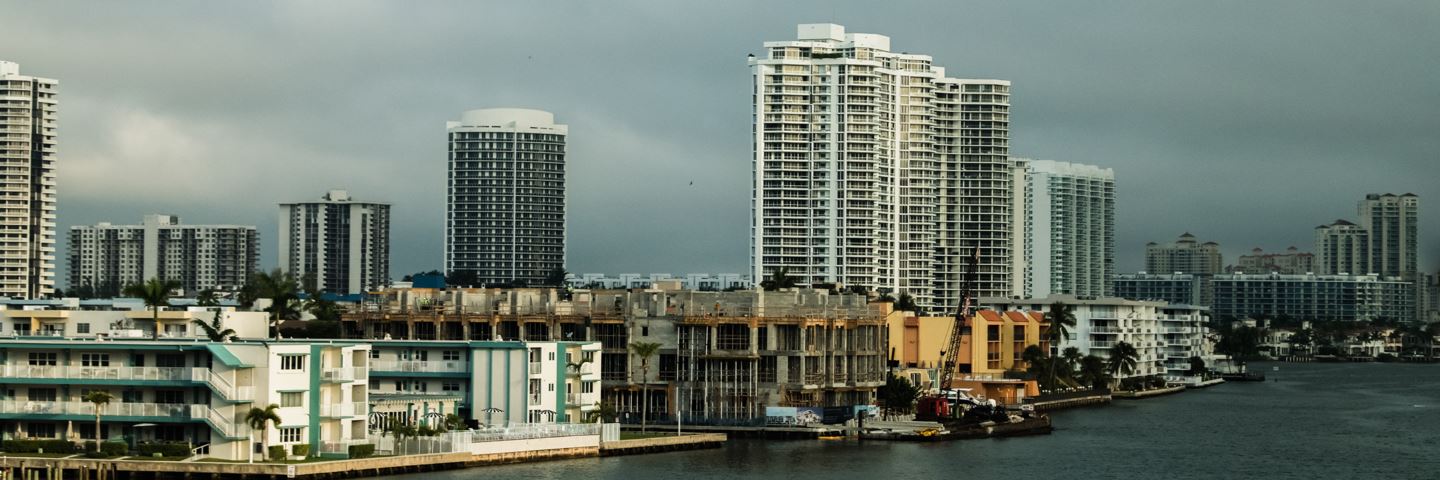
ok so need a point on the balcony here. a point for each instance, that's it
(587, 368)
(535, 368)
(342, 374)
(123, 375)
(420, 367)
(572, 399)
(337, 410)
(154, 412)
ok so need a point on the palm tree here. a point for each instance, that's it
(1061, 318)
(1123, 359)
(216, 328)
(156, 294)
(778, 280)
(1072, 358)
(261, 420)
(1093, 370)
(206, 298)
(280, 288)
(99, 398)
(644, 350)
(603, 412)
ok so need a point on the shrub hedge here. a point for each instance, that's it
(165, 449)
(362, 451)
(300, 450)
(277, 452)
(34, 446)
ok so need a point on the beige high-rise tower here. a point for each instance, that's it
(27, 185)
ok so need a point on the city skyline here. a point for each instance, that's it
(231, 140)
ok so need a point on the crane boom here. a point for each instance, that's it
(949, 358)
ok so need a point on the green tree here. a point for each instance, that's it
(603, 412)
(100, 399)
(1197, 366)
(1123, 359)
(779, 279)
(898, 395)
(155, 293)
(644, 350)
(1094, 371)
(262, 419)
(215, 330)
(280, 288)
(555, 277)
(906, 303)
(1061, 318)
(1072, 358)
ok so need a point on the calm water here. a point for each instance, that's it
(1318, 421)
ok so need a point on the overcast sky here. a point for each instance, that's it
(1246, 123)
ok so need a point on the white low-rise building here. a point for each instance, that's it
(1164, 336)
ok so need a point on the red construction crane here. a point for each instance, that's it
(939, 406)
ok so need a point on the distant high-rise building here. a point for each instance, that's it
(873, 168)
(1184, 256)
(1343, 249)
(107, 258)
(1177, 288)
(1069, 229)
(505, 208)
(345, 244)
(1393, 223)
(27, 151)
(1292, 262)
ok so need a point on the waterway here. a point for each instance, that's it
(1308, 421)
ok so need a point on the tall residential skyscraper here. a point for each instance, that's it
(505, 214)
(1343, 248)
(345, 244)
(27, 151)
(1069, 229)
(107, 258)
(872, 168)
(1393, 223)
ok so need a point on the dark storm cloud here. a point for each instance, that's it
(1247, 123)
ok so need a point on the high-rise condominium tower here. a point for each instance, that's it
(1343, 249)
(27, 151)
(345, 244)
(107, 258)
(1069, 229)
(1393, 223)
(505, 214)
(872, 168)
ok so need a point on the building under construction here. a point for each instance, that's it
(722, 357)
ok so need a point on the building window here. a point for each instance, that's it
(551, 386)
(41, 430)
(22, 328)
(292, 363)
(450, 386)
(291, 434)
(292, 399)
(169, 396)
(132, 396)
(375, 354)
(552, 356)
(42, 394)
(170, 361)
(82, 328)
(451, 355)
(587, 387)
(45, 359)
(94, 359)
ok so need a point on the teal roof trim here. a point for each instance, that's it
(224, 356)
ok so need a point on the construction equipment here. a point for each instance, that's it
(943, 405)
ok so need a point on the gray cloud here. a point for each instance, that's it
(1247, 123)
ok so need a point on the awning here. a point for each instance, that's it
(224, 356)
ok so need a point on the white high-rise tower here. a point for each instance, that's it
(872, 168)
(1069, 229)
(343, 243)
(27, 151)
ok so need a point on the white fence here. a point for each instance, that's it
(609, 432)
(517, 437)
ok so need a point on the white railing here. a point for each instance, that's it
(419, 366)
(173, 411)
(344, 409)
(176, 374)
(572, 398)
(342, 446)
(533, 430)
(343, 374)
(535, 368)
(534, 399)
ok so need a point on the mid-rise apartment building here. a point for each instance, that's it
(1315, 297)
(1069, 229)
(186, 391)
(689, 281)
(1181, 288)
(505, 197)
(1164, 335)
(28, 153)
(1187, 256)
(110, 257)
(343, 243)
(874, 168)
